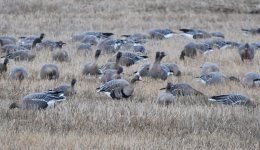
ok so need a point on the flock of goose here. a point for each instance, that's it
(128, 50)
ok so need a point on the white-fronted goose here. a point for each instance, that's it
(110, 45)
(52, 44)
(184, 89)
(36, 101)
(90, 39)
(119, 88)
(100, 35)
(246, 52)
(143, 70)
(67, 89)
(192, 49)
(113, 65)
(84, 48)
(22, 55)
(3, 65)
(4, 42)
(60, 55)
(128, 58)
(30, 42)
(209, 67)
(111, 74)
(19, 73)
(251, 80)
(166, 98)
(252, 31)
(231, 99)
(13, 39)
(92, 68)
(173, 68)
(213, 78)
(50, 72)
(200, 34)
(160, 33)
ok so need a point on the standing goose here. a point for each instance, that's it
(166, 98)
(158, 71)
(113, 65)
(251, 80)
(111, 74)
(67, 89)
(231, 99)
(92, 68)
(246, 52)
(36, 101)
(3, 66)
(19, 73)
(129, 58)
(50, 72)
(183, 89)
(209, 67)
(119, 88)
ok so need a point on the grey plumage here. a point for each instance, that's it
(231, 99)
(209, 67)
(19, 73)
(22, 55)
(251, 80)
(111, 74)
(252, 31)
(110, 45)
(113, 65)
(193, 49)
(3, 65)
(92, 68)
(247, 52)
(60, 55)
(67, 89)
(183, 89)
(160, 33)
(200, 34)
(50, 72)
(214, 78)
(166, 98)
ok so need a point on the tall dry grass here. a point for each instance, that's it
(92, 121)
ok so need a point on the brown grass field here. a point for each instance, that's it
(90, 120)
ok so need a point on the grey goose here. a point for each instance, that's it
(92, 68)
(215, 78)
(183, 89)
(67, 89)
(164, 33)
(252, 31)
(166, 98)
(119, 88)
(3, 65)
(50, 72)
(192, 49)
(18, 73)
(60, 55)
(111, 74)
(113, 65)
(246, 51)
(200, 34)
(251, 80)
(36, 101)
(100, 35)
(110, 45)
(209, 67)
(231, 99)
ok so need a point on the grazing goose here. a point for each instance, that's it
(209, 67)
(166, 98)
(110, 45)
(191, 50)
(215, 78)
(140, 49)
(252, 31)
(50, 72)
(19, 73)
(184, 89)
(137, 37)
(173, 68)
(30, 42)
(231, 99)
(90, 39)
(143, 70)
(11, 38)
(3, 66)
(246, 52)
(200, 34)
(36, 101)
(128, 58)
(92, 68)
(60, 55)
(111, 74)
(119, 88)
(160, 34)
(52, 45)
(251, 80)
(4, 42)
(100, 35)
(21, 55)
(113, 65)
(67, 89)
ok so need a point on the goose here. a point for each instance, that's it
(252, 31)
(140, 49)
(166, 98)
(246, 52)
(36, 101)
(21, 55)
(160, 33)
(67, 89)
(4, 42)
(11, 38)
(30, 42)
(128, 58)
(158, 71)
(143, 70)
(209, 67)
(50, 72)
(110, 45)
(191, 50)
(19, 73)
(215, 78)
(113, 65)
(90, 39)
(52, 44)
(183, 89)
(251, 80)
(231, 99)
(84, 48)
(100, 35)
(173, 68)
(3, 66)
(199, 34)
(111, 74)
(119, 88)
(92, 68)
(60, 55)
(137, 37)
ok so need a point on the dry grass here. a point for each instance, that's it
(92, 121)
